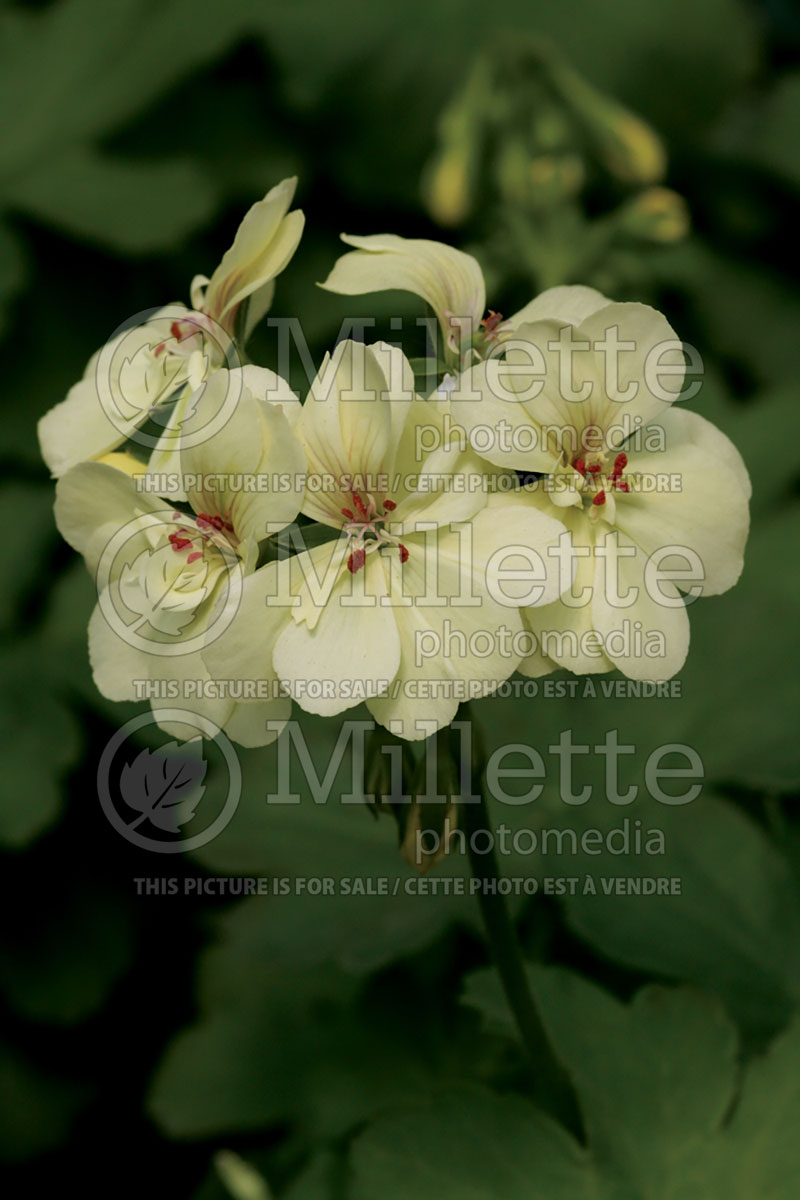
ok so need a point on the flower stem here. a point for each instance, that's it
(550, 1083)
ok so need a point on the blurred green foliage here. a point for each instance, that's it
(357, 1047)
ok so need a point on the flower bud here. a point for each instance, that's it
(626, 144)
(656, 215)
(447, 186)
(428, 823)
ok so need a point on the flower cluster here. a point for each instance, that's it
(551, 503)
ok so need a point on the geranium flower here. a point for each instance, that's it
(169, 580)
(644, 488)
(164, 357)
(409, 604)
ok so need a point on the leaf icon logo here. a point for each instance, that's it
(144, 380)
(162, 596)
(165, 786)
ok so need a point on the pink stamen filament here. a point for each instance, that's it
(365, 529)
(207, 526)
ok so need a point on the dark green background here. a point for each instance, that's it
(141, 1034)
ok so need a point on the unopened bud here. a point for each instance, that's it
(657, 215)
(447, 187)
(630, 149)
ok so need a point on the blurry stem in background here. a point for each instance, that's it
(551, 1087)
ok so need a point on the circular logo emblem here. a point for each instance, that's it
(159, 799)
(154, 369)
(156, 573)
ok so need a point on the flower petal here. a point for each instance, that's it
(93, 502)
(244, 649)
(247, 725)
(352, 653)
(115, 664)
(564, 629)
(500, 426)
(446, 278)
(572, 303)
(456, 641)
(660, 621)
(238, 472)
(704, 508)
(345, 427)
(264, 243)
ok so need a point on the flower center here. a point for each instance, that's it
(187, 335)
(597, 482)
(365, 529)
(206, 532)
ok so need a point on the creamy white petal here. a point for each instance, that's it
(247, 724)
(513, 547)
(500, 427)
(573, 303)
(564, 629)
(239, 471)
(700, 503)
(449, 486)
(244, 649)
(93, 502)
(456, 641)
(267, 385)
(446, 278)
(353, 651)
(623, 606)
(345, 428)
(78, 429)
(636, 385)
(264, 243)
(115, 663)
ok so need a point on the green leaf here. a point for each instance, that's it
(276, 1042)
(656, 1080)
(72, 77)
(470, 1145)
(132, 205)
(734, 925)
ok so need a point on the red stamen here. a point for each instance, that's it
(491, 322)
(403, 552)
(621, 485)
(175, 330)
(348, 512)
(389, 506)
(600, 498)
(580, 466)
(593, 468)
(360, 506)
(193, 557)
(620, 463)
(356, 561)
